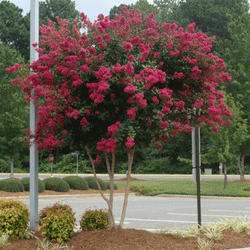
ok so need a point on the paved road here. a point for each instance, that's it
(139, 176)
(155, 213)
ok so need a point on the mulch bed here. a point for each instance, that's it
(132, 239)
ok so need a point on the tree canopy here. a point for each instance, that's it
(14, 111)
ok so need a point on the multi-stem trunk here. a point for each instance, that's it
(109, 201)
(111, 220)
(132, 151)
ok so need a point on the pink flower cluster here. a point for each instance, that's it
(81, 82)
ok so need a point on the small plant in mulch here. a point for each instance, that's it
(14, 217)
(44, 244)
(93, 185)
(94, 220)
(57, 222)
(11, 185)
(204, 244)
(56, 184)
(4, 239)
(26, 183)
(76, 182)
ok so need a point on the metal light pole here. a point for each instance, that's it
(196, 168)
(34, 37)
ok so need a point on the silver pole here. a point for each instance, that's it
(196, 168)
(34, 37)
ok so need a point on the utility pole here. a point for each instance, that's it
(196, 168)
(34, 37)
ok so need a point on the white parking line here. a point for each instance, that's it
(230, 211)
(213, 215)
(154, 220)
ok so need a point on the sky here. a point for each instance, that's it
(91, 8)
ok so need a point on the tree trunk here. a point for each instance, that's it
(225, 175)
(12, 167)
(241, 163)
(111, 192)
(132, 151)
(111, 220)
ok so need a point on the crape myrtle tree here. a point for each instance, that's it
(121, 85)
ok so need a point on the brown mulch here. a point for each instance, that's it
(50, 192)
(241, 181)
(132, 239)
(131, 179)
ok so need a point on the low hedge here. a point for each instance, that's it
(11, 185)
(92, 183)
(56, 184)
(76, 182)
(26, 183)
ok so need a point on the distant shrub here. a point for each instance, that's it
(26, 183)
(108, 185)
(76, 182)
(11, 185)
(92, 183)
(56, 184)
(14, 217)
(140, 189)
(94, 220)
(57, 222)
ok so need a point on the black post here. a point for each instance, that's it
(197, 164)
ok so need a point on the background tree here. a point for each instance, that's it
(144, 7)
(228, 142)
(65, 9)
(211, 17)
(238, 59)
(168, 11)
(14, 28)
(14, 111)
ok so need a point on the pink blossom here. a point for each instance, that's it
(163, 125)
(65, 132)
(130, 142)
(191, 27)
(149, 123)
(131, 58)
(165, 110)
(155, 99)
(112, 129)
(130, 89)
(132, 113)
(178, 75)
(198, 103)
(97, 160)
(84, 122)
(179, 105)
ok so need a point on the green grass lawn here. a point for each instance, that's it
(188, 187)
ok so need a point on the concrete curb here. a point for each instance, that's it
(203, 197)
(66, 196)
